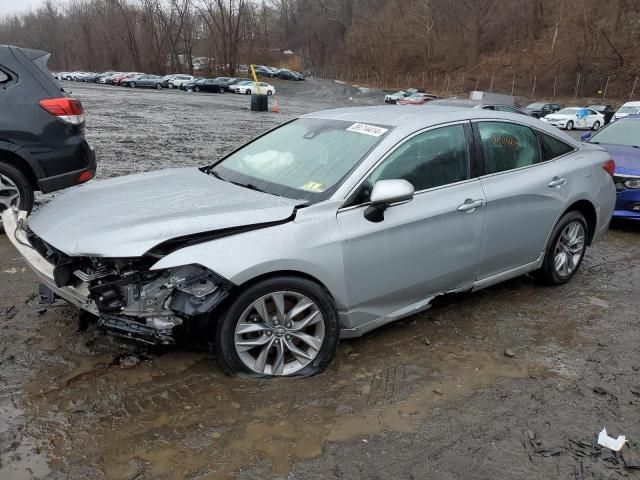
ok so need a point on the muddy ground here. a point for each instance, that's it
(512, 382)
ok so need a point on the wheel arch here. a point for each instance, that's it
(18, 162)
(282, 273)
(586, 208)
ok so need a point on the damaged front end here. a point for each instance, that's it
(129, 298)
(151, 306)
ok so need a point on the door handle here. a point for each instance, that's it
(470, 205)
(557, 182)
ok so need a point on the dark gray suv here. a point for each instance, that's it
(42, 142)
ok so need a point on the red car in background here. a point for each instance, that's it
(117, 80)
(417, 99)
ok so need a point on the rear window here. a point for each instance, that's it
(41, 63)
(551, 147)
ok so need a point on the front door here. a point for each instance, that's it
(426, 246)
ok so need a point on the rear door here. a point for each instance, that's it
(525, 189)
(428, 245)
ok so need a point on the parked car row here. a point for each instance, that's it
(281, 73)
(240, 85)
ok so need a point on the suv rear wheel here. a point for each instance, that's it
(283, 326)
(15, 190)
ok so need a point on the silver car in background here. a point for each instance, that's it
(329, 226)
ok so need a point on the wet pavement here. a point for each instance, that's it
(510, 382)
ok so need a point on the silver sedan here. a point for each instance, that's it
(329, 226)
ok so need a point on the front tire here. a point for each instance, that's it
(565, 251)
(132, 84)
(280, 327)
(569, 125)
(15, 190)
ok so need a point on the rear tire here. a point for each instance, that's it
(596, 126)
(12, 183)
(272, 337)
(566, 249)
(158, 86)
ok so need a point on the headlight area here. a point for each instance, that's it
(154, 307)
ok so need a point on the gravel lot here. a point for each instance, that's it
(511, 382)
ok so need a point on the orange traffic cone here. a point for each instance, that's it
(275, 106)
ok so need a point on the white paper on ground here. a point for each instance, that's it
(614, 444)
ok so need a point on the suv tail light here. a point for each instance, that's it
(66, 109)
(610, 167)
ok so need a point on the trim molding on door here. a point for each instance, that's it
(514, 272)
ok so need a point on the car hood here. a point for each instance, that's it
(127, 216)
(627, 159)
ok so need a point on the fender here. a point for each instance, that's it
(24, 155)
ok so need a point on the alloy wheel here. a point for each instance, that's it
(279, 333)
(569, 249)
(9, 193)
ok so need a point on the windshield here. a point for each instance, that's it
(305, 159)
(569, 111)
(535, 105)
(622, 132)
(629, 110)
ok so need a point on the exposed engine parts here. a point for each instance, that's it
(150, 305)
(133, 301)
(142, 304)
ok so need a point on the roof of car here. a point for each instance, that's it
(420, 117)
(632, 104)
(407, 119)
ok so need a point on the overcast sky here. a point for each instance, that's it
(17, 6)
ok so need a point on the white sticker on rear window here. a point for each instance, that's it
(367, 129)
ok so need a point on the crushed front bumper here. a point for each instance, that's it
(13, 222)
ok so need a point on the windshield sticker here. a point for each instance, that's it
(313, 186)
(367, 129)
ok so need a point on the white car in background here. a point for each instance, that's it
(179, 80)
(629, 108)
(234, 87)
(247, 88)
(575, 117)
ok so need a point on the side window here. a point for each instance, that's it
(3, 77)
(507, 146)
(551, 147)
(431, 159)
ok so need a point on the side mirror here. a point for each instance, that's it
(585, 136)
(385, 194)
